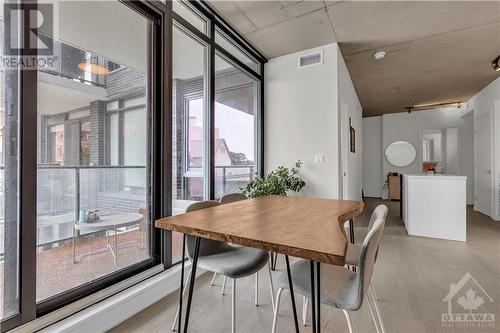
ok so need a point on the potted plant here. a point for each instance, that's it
(277, 182)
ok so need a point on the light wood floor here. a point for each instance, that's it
(412, 276)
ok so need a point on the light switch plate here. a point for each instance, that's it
(319, 159)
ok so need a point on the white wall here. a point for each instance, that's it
(488, 101)
(349, 105)
(372, 157)
(301, 119)
(452, 155)
(410, 127)
(467, 157)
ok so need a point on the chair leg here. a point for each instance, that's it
(233, 307)
(184, 293)
(377, 309)
(304, 310)
(224, 285)
(276, 310)
(256, 288)
(348, 318)
(271, 286)
(373, 314)
(213, 279)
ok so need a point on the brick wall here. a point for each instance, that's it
(97, 122)
(126, 81)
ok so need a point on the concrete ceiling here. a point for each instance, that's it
(437, 52)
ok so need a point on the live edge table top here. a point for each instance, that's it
(308, 228)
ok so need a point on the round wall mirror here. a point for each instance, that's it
(400, 153)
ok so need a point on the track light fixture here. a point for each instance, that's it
(496, 64)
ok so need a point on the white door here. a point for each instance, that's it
(484, 183)
(345, 147)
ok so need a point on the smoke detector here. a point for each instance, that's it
(379, 55)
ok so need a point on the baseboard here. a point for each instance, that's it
(105, 315)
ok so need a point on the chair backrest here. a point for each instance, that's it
(379, 212)
(367, 258)
(232, 197)
(207, 246)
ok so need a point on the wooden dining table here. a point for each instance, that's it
(307, 228)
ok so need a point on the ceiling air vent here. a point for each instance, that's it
(311, 59)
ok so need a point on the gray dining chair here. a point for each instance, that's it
(229, 198)
(222, 258)
(345, 289)
(352, 261)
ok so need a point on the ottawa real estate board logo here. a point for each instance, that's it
(469, 305)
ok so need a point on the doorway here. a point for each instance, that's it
(484, 153)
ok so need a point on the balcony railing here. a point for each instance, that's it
(62, 191)
(228, 179)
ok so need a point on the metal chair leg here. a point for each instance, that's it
(304, 310)
(224, 285)
(348, 318)
(276, 310)
(213, 279)
(256, 288)
(377, 309)
(373, 314)
(271, 286)
(233, 307)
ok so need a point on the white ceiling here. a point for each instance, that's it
(437, 51)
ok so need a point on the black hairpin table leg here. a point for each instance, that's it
(290, 284)
(313, 297)
(191, 281)
(318, 298)
(179, 320)
(351, 230)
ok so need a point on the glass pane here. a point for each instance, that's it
(230, 46)
(9, 158)
(190, 15)
(189, 132)
(235, 126)
(93, 171)
(113, 139)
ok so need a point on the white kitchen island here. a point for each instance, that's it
(435, 206)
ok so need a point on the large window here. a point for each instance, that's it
(93, 167)
(235, 127)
